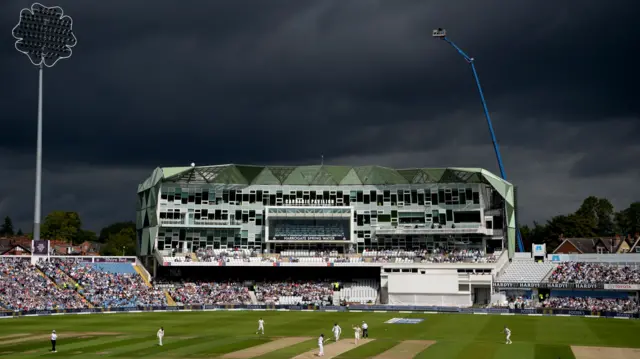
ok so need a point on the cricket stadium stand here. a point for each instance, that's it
(368, 217)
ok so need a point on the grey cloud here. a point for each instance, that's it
(248, 81)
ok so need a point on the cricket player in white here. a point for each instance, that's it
(160, 336)
(54, 338)
(321, 345)
(336, 331)
(357, 330)
(260, 326)
(507, 332)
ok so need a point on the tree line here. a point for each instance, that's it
(116, 238)
(596, 217)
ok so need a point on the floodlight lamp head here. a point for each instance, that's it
(44, 34)
(193, 164)
(439, 33)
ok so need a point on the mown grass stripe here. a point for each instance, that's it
(368, 350)
(290, 352)
(75, 346)
(105, 346)
(149, 346)
(206, 348)
(38, 344)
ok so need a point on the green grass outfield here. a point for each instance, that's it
(213, 334)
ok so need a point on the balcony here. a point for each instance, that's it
(428, 230)
(182, 222)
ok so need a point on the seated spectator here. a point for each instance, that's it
(210, 293)
(592, 304)
(24, 287)
(105, 289)
(577, 272)
(317, 293)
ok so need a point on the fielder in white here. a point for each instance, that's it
(260, 326)
(357, 330)
(507, 332)
(336, 331)
(321, 345)
(160, 336)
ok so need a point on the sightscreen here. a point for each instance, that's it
(309, 229)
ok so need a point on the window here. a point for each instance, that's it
(467, 217)
(359, 197)
(476, 198)
(468, 193)
(449, 215)
(365, 199)
(600, 250)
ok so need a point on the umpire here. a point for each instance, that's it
(54, 337)
(365, 330)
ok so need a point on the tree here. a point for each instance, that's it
(628, 220)
(537, 234)
(19, 232)
(7, 227)
(598, 214)
(85, 235)
(115, 228)
(125, 240)
(61, 225)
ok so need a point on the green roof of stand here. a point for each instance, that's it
(319, 175)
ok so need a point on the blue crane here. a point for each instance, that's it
(442, 34)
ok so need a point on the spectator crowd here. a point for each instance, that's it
(436, 255)
(210, 293)
(23, 287)
(592, 304)
(106, 289)
(306, 293)
(582, 272)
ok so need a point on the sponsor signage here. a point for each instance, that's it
(404, 321)
(40, 248)
(308, 238)
(622, 286)
(549, 285)
(114, 260)
(539, 250)
(315, 202)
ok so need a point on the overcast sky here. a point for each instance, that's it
(167, 83)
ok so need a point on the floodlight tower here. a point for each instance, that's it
(46, 36)
(442, 34)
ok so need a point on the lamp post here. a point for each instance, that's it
(45, 35)
(442, 34)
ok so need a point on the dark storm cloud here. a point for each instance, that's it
(247, 81)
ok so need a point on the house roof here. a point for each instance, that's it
(317, 175)
(589, 245)
(583, 245)
(8, 249)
